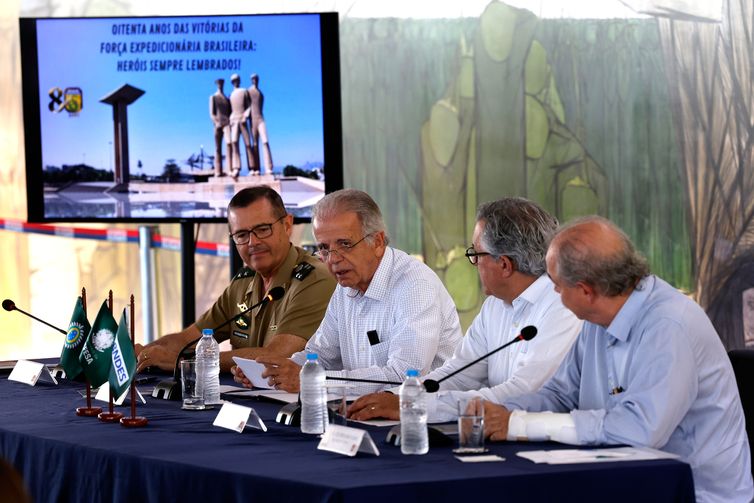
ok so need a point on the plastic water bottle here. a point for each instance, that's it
(313, 396)
(208, 367)
(413, 415)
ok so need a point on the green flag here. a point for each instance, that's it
(123, 360)
(98, 348)
(78, 329)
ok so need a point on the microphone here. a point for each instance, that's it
(170, 389)
(373, 381)
(9, 305)
(527, 334)
(440, 435)
(290, 414)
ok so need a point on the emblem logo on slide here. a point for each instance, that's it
(71, 100)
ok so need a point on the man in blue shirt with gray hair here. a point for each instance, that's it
(648, 368)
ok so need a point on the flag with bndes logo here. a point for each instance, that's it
(96, 354)
(78, 329)
(123, 360)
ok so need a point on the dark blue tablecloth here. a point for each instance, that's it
(180, 456)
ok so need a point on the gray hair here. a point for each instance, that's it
(352, 201)
(600, 255)
(518, 229)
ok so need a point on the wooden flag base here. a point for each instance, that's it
(133, 422)
(110, 417)
(88, 411)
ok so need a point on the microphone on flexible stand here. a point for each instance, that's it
(527, 334)
(371, 381)
(170, 389)
(437, 435)
(290, 414)
(9, 305)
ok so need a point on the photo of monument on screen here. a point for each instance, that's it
(124, 126)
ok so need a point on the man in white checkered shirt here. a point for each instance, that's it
(389, 313)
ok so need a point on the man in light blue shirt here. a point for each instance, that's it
(648, 368)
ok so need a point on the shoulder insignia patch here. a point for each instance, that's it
(244, 272)
(302, 270)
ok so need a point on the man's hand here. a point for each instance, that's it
(496, 421)
(281, 373)
(385, 405)
(240, 377)
(154, 355)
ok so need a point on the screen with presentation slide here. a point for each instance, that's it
(165, 118)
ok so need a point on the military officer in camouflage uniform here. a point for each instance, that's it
(261, 230)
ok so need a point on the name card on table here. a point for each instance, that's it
(236, 417)
(346, 440)
(103, 394)
(28, 372)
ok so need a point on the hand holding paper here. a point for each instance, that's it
(252, 371)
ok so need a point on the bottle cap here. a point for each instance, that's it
(412, 373)
(208, 331)
(311, 356)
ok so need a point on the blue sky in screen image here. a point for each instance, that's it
(171, 120)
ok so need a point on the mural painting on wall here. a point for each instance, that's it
(642, 120)
(662, 146)
(709, 64)
(499, 130)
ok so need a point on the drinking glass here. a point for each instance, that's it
(192, 398)
(470, 425)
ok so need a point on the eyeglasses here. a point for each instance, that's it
(345, 247)
(474, 255)
(261, 231)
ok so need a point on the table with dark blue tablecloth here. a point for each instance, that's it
(180, 456)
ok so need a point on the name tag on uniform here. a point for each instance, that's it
(240, 334)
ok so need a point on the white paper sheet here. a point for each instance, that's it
(486, 458)
(253, 372)
(272, 394)
(567, 456)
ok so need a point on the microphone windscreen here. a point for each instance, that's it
(277, 293)
(528, 332)
(9, 305)
(431, 385)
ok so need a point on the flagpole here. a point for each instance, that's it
(87, 411)
(110, 416)
(134, 421)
